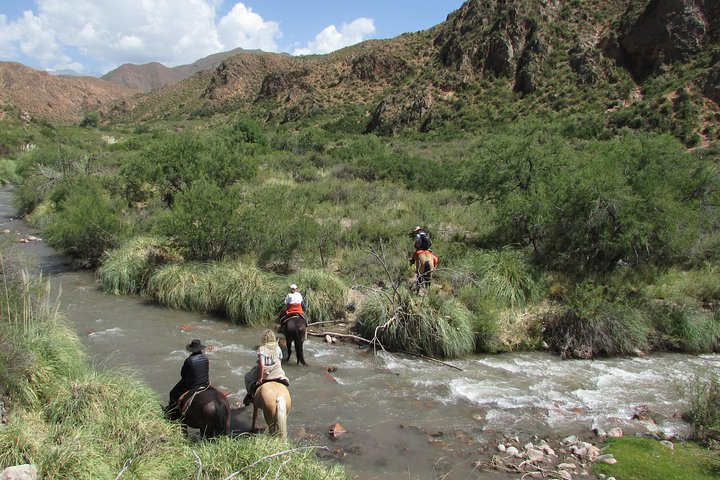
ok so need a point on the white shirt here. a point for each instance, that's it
(293, 298)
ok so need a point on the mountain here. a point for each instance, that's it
(151, 76)
(56, 98)
(625, 60)
(638, 64)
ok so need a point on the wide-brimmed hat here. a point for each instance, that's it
(292, 285)
(194, 346)
(416, 229)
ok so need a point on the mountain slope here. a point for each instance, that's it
(624, 60)
(151, 76)
(56, 98)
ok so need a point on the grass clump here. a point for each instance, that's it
(596, 322)
(647, 459)
(126, 270)
(685, 328)
(704, 413)
(249, 296)
(324, 294)
(430, 325)
(187, 286)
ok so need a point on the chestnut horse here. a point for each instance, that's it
(208, 411)
(274, 400)
(425, 262)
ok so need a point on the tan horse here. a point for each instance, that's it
(274, 400)
(424, 267)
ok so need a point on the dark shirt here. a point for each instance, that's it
(196, 370)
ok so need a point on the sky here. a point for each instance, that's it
(92, 37)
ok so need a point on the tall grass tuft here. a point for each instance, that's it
(704, 413)
(187, 286)
(249, 296)
(685, 328)
(324, 294)
(596, 323)
(126, 270)
(431, 325)
(504, 276)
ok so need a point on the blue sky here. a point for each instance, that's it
(96, 36)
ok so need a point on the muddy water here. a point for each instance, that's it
(406, 418)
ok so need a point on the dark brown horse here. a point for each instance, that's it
(425, 262)
(208, 411)
(294, 327)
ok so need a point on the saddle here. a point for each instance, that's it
(187, 398)
(286, 317)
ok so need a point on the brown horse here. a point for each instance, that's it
(208, 411)
(274, 400)
(425, 262)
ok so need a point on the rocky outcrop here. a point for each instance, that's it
(284, 86)
(659, 32)
(372, 67)
(398, 111)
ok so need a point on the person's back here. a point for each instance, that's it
(196, 370)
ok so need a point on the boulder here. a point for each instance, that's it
(20, 472)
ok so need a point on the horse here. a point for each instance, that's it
(425, 262)
(294, 328)
(274, 400)
(208, 411)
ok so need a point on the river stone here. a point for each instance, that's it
(512, 451)
(615, 432)
(535, 455)
(570, 439)
(667, 444)
(501, 447)
(549, 451)
(565, 475)
(529, 446)
(567, 466)
(19, 472)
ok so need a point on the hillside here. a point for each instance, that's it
(626, 61)
(151, 76)
(56, 98)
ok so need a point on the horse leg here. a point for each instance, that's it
(289, 337)
(254, 417)
(299, 346)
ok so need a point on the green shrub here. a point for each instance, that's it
(429, 325)
(685, 328)
(704, 413)
(127, 270)
(188, 286)
(87, 224)
(596, 322)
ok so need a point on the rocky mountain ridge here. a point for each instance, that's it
(544, 54)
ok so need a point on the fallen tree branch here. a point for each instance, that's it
(343, 335)
(278, 454)
(434, 360)
(128, 462)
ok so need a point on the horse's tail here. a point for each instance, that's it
(281, 416)
(223, 417)
(427, 267)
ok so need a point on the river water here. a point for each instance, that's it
(406, 418)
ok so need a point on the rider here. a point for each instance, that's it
(195, 373)
(421, 240)
(294, 302)
(268, 367)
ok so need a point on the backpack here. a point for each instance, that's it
(423, 241)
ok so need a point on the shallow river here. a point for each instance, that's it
(406, 418)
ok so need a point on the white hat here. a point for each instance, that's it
(293, 286)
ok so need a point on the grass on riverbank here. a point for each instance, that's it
(645, 459)
(72, 421)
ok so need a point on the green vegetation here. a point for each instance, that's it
(704, 413)
(596, 244)
(73, 421)
(642, 458)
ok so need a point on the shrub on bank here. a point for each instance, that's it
(685, 328)
(595, 322)
(427, 325)
(127, 270)
(704, 413)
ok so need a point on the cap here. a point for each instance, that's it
(293, 286)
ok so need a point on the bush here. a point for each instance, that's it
(324, 295)
(86, 225)
(704, 413)
(596, 322)
(686, 329)
(430, 325)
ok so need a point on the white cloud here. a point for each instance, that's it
(242, 27)
(330, 39)
(173, 32)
